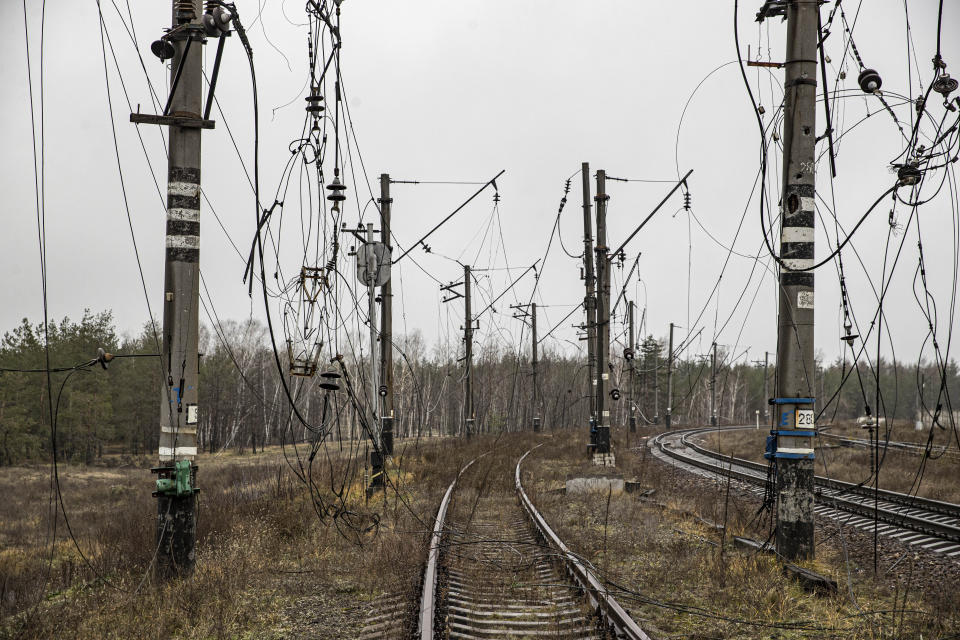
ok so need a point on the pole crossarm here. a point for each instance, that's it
(504, 292)
(492, 181)
(680, 183)
(564, 319)
(453, 294)
(626, 281)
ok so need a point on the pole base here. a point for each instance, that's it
(602, 440)
(176, 535)
(386, 435)
(604, 460)
(377, 479)
(795, 509)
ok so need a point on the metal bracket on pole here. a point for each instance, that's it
(214, 76)
(772, 8)
(176, 77)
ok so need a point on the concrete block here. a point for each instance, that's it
(632, 486)
(810, 580)
(748, 544)
(604, 460)
(595, 484)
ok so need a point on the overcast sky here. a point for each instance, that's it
(459, 91)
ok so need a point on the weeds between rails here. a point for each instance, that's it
(497, 577)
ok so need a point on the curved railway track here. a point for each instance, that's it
(914, 448)
(929, 524)
(495, 569)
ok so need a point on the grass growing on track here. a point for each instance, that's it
(678, 583)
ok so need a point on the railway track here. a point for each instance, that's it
(914, 448)
(387, 619)
(495, 569)
(928, 524)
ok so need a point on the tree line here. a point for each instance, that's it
(88, 411)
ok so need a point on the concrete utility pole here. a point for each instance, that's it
(713, 385)
(386, 322)
(603, 316)
(918, 424)
(468, 417)
(525, 311)
(377, 455)
(176, 474)
(766, 389)
(656, 388)
(590, 300)
(633, 357)
(668, 418)
(536, 405)
(795, 357)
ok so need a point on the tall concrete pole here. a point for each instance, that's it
(386, 322)
(918, 425)
(766, 386)
(468, 417)
(176, 484)
(713, 385)
(656, 387)
(795, 356)
(377, 455)
(668, 418)
(603, 316)
(633, 359)
(590, 300)
(536, 404)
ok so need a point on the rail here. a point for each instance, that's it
(914, 448)
(428, 597)
(616, 619)
(887, 515)
(904, 499)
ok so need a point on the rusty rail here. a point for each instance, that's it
(618, 622)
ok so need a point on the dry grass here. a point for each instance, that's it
(669, 561)
(940, 479)
(266, 565)
(268, 568)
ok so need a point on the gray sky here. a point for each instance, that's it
(459, 91)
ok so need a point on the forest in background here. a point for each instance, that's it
(243, 405)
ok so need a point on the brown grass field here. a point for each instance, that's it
(267, 566)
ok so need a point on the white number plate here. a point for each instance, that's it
(805, 419)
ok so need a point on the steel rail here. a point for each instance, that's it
(914, 448)
(618, 622)
(903, 499)
(884, 514)
(428, 597)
